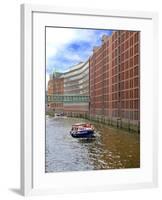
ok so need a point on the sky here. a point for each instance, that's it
(66, 47)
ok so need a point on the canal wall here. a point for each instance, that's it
(133, 126)
(128, 125)
(118, 123)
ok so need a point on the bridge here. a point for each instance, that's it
(67, 99)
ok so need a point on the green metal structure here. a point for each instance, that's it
(67, 98)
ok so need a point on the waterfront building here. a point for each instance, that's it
(115, 80)
(107, 86)
(70, 91)
(56, 87)
(76, 85)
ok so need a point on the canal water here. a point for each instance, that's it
(111, 149)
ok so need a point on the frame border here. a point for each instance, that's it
(26, 62)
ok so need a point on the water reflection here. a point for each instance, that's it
(111, 149)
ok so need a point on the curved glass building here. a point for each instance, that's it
(76, 80)
(76, 86)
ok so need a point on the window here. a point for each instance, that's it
(136, 59)
(136, 48)
(131, 62)
(131, 51)
(135, 82)
(136, 37)
(136, 71)
(131, 72)
(136, 93)
(136, 104)
(131, 41)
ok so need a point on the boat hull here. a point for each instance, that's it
(83, 134)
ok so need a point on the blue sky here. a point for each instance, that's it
(66, 47)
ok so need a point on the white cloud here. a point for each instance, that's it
(58, 41)
(56, 38)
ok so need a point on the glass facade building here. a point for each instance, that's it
(76, 85)
(69, 91)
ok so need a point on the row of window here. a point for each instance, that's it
(128, 94)
(77, 83)
(123, 73)
(84, 70)
(128, 104)
(126, 82)
(118, 49)
(68, 98)
(119, 70)
(102, 87)
(116, 55)
(129, 115)
(124, 95)
(55, 105)
(125, 44)
(124, 35)
(132, 60)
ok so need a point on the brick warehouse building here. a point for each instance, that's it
(115, 80)
(56, 86)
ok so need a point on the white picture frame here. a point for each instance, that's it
(33, 181)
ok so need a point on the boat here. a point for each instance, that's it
(82, 130)
(60, 115)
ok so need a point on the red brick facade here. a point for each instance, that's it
(115, 77)
(56, 86)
